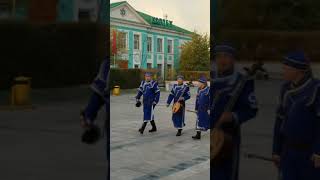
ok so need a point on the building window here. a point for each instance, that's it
(149, 45)
(159, 45)
(149, 65)
(136, 41)
(170, 46)
(122, 40)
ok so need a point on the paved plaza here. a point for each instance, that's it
(157, 155)
(164, 156)
(44, 143)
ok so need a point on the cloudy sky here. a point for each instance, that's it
(188, 14)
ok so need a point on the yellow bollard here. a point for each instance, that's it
(20, 91)
(116, 91)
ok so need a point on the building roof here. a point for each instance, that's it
(115, 4)
(149, 19)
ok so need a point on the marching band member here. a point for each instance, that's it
(244, 109)
(151, 94)
(296, 142)
(99, 98)
(180, 93)
(202, 107)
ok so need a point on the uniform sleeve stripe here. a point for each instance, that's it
(314, 96)
(95, 89)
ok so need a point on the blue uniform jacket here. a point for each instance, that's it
(202, 107)
(298, 116)
(246, 106)
(178, 118)
(176, 92)
(150, 92)
(100, 94)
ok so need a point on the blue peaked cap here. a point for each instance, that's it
(297, 59)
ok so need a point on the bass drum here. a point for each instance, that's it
(220, 146)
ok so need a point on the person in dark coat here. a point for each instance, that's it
(296, 142)
(245, 108)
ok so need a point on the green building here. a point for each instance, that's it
(146, 41)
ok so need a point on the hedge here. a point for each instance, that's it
(128, 78)
(125, 78)
(53, 55)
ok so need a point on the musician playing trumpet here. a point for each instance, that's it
(227, 112)
(180, 93)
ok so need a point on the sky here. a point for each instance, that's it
(188, 14)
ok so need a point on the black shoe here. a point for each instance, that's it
(143, 127)
(197, 136)
(179, 132)
(154, 127)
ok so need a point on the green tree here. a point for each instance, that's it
(195, 54)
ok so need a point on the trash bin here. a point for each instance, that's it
(20, 91)
(116, 90)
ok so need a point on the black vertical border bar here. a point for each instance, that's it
(107, 123)
(213, 37)
(103, 53)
